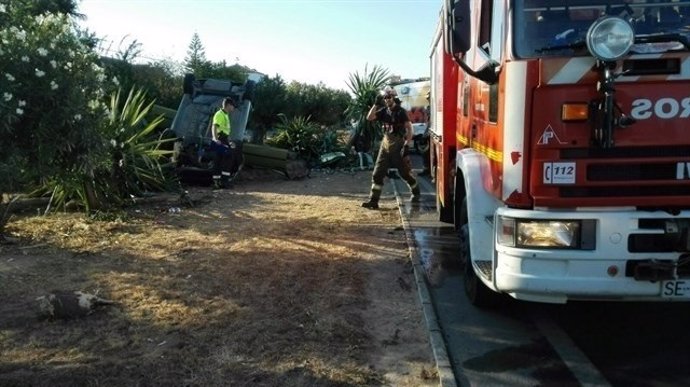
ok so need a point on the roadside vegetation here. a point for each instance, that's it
(80, 128)
(209, 288)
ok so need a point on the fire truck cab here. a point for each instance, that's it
(562, 145)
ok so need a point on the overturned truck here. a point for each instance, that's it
(194, 149)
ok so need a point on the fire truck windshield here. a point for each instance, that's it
(559, 27)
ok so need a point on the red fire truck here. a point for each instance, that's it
(561, 136)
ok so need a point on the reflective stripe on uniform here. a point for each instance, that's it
(225, 173)
(376, 187)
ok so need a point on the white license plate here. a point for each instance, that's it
(678, 289)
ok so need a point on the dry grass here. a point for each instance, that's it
(274, 283)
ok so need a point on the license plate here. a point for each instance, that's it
(678, 289)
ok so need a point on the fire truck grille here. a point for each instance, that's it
(624, 153)
(608, 172)
(628, 191)
(632, 172)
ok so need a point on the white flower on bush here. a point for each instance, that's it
(21, 103)
(42, 51)
(19, 111)
(53, 63)
(77, 117)
(3, 9)
(115, 81)
(19, 34)
(25, 59)
(68, 65)
(9, 77)
(53, 85)
(7, 97)
(113, 142)
(100, 77)
(40, 73)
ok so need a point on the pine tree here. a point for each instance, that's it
(196, 56)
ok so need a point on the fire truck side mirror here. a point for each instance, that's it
(457, 26)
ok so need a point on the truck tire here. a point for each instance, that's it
(421, 145)
(249, 87)
(445, 213)
(188, 84)
(477, 293)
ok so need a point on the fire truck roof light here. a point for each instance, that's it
(610, 38)
(574, 112)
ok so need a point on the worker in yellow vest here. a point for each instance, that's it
(220, 130)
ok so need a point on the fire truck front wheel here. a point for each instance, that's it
(421, 145)
(477, 293)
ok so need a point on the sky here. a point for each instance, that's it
(308, 41)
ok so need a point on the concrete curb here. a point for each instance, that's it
(438, 344)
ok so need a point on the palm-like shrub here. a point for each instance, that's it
(299, 135)
(365, 87)
(127, 161)
(134, 149)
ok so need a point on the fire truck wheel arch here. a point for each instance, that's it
(481, 205)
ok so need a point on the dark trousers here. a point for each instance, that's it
(222, 163)
(390, 157)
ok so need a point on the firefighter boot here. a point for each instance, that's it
(415, 194)
(373, 202)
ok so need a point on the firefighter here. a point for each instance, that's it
(220, 130)
(393, 152)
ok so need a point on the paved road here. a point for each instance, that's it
(529, 344)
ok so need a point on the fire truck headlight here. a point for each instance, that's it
(610, 38)
(546, 233)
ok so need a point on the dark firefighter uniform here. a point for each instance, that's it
(391, 155)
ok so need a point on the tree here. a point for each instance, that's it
(221, 70)
(161, 80)
(195, 62)
(39, 7)
(271, 100)
(324, 105)
(365, 87)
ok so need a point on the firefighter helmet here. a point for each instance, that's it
(389, 91)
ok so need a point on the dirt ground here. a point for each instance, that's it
(272, 283)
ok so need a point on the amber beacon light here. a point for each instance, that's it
(574, 112)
